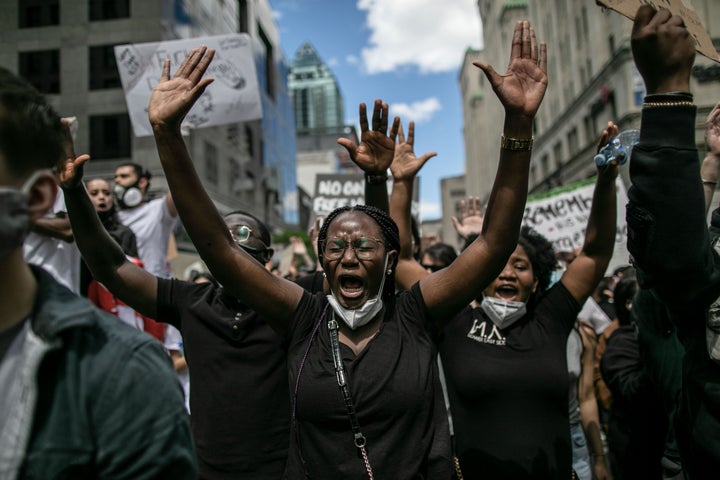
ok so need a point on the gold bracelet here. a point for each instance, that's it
(708, 182)
(516, 144)
(684, 103)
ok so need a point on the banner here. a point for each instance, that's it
(233, 96)
(337, 190)
(703, 42)
(561, 216)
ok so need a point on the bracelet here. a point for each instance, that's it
(516, 144)
(684, 103)
(708, 182)
(376, 178)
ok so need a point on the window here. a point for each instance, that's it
(211, 163)
(108, 9)
(103, 69)
(572, 139)
(42, 69)
(269, 64)
(38, 13)
(557, 153)
(545, 164)
(243, 16)
(109, 136)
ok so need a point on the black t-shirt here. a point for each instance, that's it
(392, 384)
(509, 390)
(239, 401)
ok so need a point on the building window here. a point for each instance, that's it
(211, 163)
(38, 13)
(108, 9)
(545, 165)
(110, 136)
(243, 13)
(103, 69)
(557, 153)
(573, 143)
(269, 64)
(42, 69)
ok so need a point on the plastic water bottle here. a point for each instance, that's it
(620, 146)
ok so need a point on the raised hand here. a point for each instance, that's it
(375, 152)
(405, 164)
(611, 169)
(70, 171)
(171, 99)
(471, 219)
(712, 132)
(663, 50)
(523, 86)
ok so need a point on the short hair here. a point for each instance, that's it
(541, 254)
(140, 171)
(441, 252)
(389, 230)
(263, 233)
(31, 135)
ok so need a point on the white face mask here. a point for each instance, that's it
(358, 317)
(503, 313)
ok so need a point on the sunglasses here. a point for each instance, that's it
(432, 268)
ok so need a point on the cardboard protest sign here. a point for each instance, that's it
(561, 215)
(233, 97)
(703, 42)
(337, 190)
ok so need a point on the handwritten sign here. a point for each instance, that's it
(233, 97)
(337, 190)
(703, 42)
(561, 215)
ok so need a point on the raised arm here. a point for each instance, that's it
(375, 152)
(101, 253)
(520, 91)
(586, 271)
(268, 294)
(404, 168)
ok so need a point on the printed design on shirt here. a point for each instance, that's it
(485, 331)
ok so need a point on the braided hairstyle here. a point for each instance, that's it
(542, 258)
(389, 231)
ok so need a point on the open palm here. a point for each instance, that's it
(406, 165)
(376, 150)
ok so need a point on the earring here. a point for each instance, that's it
(389, 271)
(324, 276)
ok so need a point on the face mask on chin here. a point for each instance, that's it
(15, 215)
(358, 317)
(503, 313)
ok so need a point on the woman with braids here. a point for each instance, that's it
(360, 360)
(504, 356)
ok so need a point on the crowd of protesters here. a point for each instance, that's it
(506, 360)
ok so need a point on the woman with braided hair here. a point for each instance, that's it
(361, 361)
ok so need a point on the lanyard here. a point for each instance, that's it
(341, 375)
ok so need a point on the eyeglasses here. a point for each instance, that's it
(241, 234)
(365, 248)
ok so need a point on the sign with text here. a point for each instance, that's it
(561, 216)
(337, 190)
(233, 96)
(703, 42)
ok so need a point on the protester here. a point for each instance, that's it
(436, 256)
(152, 221)
(667, 232)
(515, 424)
(239, 392)
(390, 376)
(83, 396)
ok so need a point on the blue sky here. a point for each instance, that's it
(407, 52)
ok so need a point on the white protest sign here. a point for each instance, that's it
(337, 190)
(703, 42)
(561, 216)
(233, 97)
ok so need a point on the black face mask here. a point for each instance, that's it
(108, 216)
(128, 197)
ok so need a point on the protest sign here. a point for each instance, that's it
(233, 97)
(703, 42)
(561, 216)
(337, 190)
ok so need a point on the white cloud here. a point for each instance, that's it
(332, 61)
(417, 112)
(429, 210)
(352, 59)
(431, 35)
